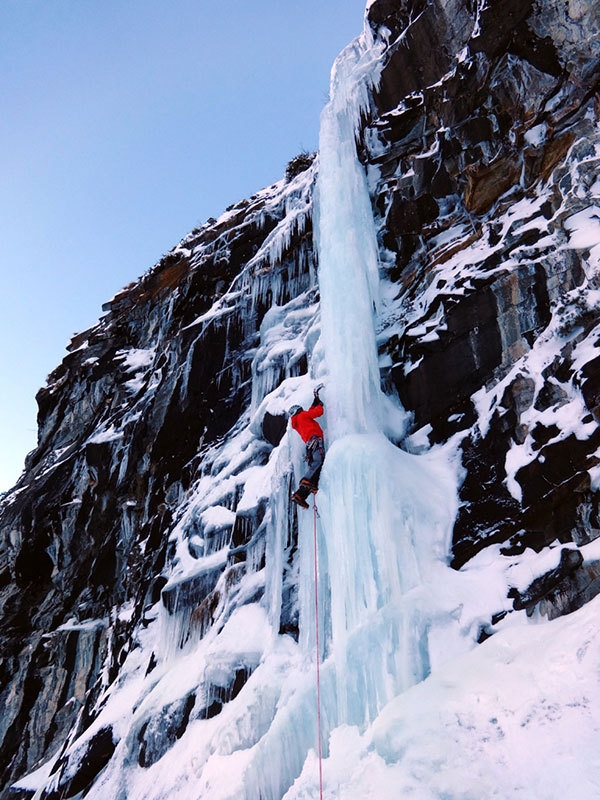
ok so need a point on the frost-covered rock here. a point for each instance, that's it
(158, 622)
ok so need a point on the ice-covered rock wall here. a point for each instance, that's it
(485, 177)
(158, 620)
(149, 489)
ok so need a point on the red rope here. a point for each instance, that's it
(318, 654)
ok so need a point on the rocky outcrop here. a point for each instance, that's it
(149, 497)
(482, 153)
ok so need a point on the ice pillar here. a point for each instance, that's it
(348, 256)
(361, 514)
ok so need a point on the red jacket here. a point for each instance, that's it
(304, 422)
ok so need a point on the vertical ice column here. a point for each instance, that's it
(364, 521)
(348, 257)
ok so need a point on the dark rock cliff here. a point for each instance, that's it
(483, 151)
(127, 422)
(481, 148)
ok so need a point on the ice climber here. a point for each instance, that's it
(311, 433)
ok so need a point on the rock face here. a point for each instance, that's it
(127, 422)
(161, 430)
(484, 161)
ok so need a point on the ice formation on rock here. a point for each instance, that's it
(435, 265)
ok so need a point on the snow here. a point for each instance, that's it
(86, 625)
(134, 359)
(36, 780)
(216, 517)
(584, 230)
(241, 642)
(109, 434)
(517, 717)
(536, 136)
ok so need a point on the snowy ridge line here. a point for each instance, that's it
(292, 203)
(297, 201)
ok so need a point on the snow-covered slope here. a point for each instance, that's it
(516, 717)
(165, 606)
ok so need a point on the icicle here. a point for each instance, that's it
(277, 537)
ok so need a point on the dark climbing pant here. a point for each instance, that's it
(315, 455)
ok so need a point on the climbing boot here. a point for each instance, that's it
(297, 498)
(300, 496)
(309, 485)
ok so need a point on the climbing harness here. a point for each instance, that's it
(315, 515)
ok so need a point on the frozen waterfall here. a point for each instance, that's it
(384, 515)
(378, 527)
(348, 255)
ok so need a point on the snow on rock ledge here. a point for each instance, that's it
(156, 585)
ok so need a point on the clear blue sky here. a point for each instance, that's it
(123, 125)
